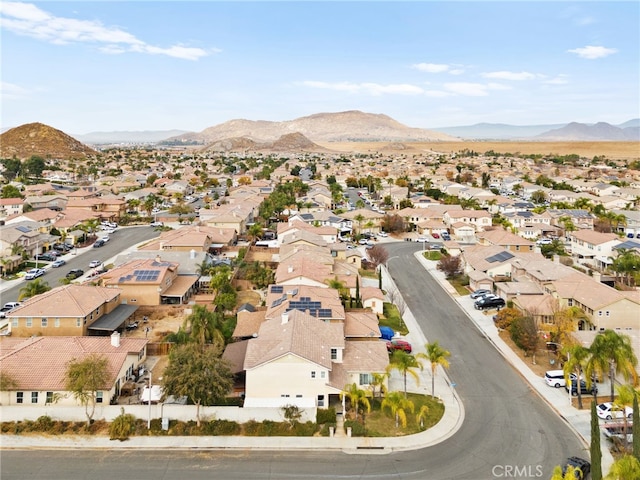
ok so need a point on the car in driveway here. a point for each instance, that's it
(583, 388)
(607, 411)
(578, 464)
(58, 263)
(94, 263)
(75, 273)
(479, 293)
(435, 235)
(487, 303)
(34, 273)
(47, 257)
(398, 344)
(7, 308)
(383, 234)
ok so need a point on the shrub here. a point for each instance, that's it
(326, 415)
(357, 428)
(122, 426)
(307, 429)
(43, 424)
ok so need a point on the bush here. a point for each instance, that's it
(221, 427)
(357, 428)
(326, 415)
(122, 426)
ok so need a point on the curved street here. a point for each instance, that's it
(508, 431)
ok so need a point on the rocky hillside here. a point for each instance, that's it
(351, 126)
(292, 142)
(42, 140)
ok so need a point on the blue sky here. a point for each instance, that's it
(84, 66)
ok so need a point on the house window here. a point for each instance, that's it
(34, 397)
(284, 395)
(78, 322)
(19, 397)
(599, 313)
(298, 395)
(323, 374)
(365, 379)
(14, 322)
(56, 323)
(313, 374)
(45, 322)
(133, 300)
(29, 321)
(321, 400)
(99, 397)
(49, 397)
(570, 302)
(334, 354)
(607, 313)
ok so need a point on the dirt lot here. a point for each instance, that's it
(162, 320)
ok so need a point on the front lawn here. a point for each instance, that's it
(392, 319)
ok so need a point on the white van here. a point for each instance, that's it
(555, 378)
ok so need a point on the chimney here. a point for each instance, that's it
(158, 259)
(285, 318)
(115, 339)
(290, 268)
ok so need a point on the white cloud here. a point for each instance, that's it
(374, 89)
(505, 75)
(473, 89)
(561, 79)
(591, 52)
(28, 20)
(12, 91)
(431, 67)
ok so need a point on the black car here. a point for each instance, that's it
(75, 273)
(47, 257)
(62, 247)
(583, 388)
(577, 463)
(489, 302)
(99, 243)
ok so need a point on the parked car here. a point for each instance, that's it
(577, 463)
(398, 344)
(58, 263)
(583, 388)
(34, 273)
(607, 411)
(422, 240)
(383, 234)
(156, 224)
(62, 247)
(446, 236)
(556, 378)
(99, 243)
(94, 263)
(479, 293)
(544, 241)
(105, 239)
(7, 308)
(489, 302)
(435, 235)
(75, 273)
(47, 257)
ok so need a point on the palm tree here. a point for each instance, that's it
(398, 404)
(612, 353)
(377, 384)
(359, 218)
(577, 358)
(356, 397)
(406, 364)
(422, 415)
(33, 288)
(254, 232)
(436, 355)
(340, 286)
(204, 326)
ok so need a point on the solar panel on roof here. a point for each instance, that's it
(324, 313)
(277, 288)
(499, 257)
(23, 229)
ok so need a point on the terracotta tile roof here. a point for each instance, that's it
(328, 297)
(301, 335)
(500, 236)
(302, 268)
(359, 356)
(66, 301)
(124, 274)
(593, 237)
(361, 323)
(248, 323)
(234, 353)
(371, 292)
(40, 363)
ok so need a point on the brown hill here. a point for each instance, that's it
(292, 142)
(42, 140)
(350, 126)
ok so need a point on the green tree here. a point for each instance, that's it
(595, 450)
(33, 288)
(398, 404)
(624, 468)
(436, 355)
(377, 384)
(11, 191)
(405, 364)
(197, 373)
(356, 397)
(85, 378)
(577, 358)
(12, 168)
(204, 326)
(34, 166)
(636, 428)
(611, 354)
(569, 474)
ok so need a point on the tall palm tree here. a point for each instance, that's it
(377, 384)
(436, 355)
(421, 415)
(577, 358)
(359, 218)
(356, 397)
(398, 404)
(33, 288)
(612, 353)
(204, 326)
(406, 364)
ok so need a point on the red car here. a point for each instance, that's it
(398, 345)
(435, 235)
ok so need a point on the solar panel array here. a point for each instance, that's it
(277, 289)
(499, 257)
(146, 275)
(277, 302)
